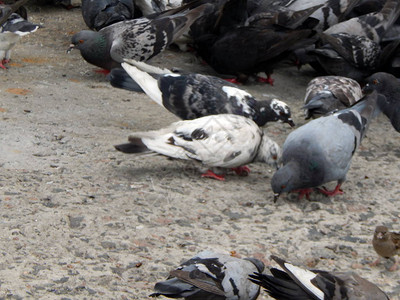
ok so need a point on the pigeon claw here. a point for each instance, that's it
(211, 174)
(268, 80)
(336, 191)
(232, 80)
(304, 192)
(242, 170)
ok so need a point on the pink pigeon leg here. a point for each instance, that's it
(242, 170)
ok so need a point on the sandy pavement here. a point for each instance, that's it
(80, 220)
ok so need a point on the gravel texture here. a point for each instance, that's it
(80, 220)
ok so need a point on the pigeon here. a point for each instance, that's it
(352, 48)
(195, 95)
(328, 93)
(321, 150)
(388, 87)
(7, 9)
(217, 141)
(98, 14)
(139, 39)
(11, 32)
(386, 244)
(294, 282)
(372, 25)
(211, 276)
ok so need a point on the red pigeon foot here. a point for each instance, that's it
(336, 191)
(304, 192)
(268, 80)
(211, 174)
(102, 71)
(242, 170)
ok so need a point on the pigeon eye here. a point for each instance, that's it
(283, 186)
(375, 81)
(281, 113)
(274, 157)
(80, 41)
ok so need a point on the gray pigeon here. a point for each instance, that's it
(11, 32)
(194, 95)
(328, 93)
(321, 150)
(138, 39)
(297, 283)
(221, 141)
(101, 13)
(388, 87)
(211, 276)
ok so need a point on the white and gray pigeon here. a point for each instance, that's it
(139, 39)
(11, 32)
(191, 96)
(102, 13)
(388, 87)
(321, 150)
(352, 48)
(329, 93)
(293, 282)
(211, 276)
(372, 25)
(223, 141)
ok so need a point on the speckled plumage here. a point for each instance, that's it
(211, 276)
(138, 39)
(328, 93)
(194, 95)
(225, 141)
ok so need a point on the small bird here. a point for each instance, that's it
(194, 95)
(386, 244)
(321, 150)
(221, 141)
(298, 283)
(102, 13)
(139, 39)
(212, 276)
(11, 32)
(329, 93)
(388, 87)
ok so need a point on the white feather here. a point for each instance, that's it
(146, 82)
(305, 277)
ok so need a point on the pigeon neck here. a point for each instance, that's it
(265, 113)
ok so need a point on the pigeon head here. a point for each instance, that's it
(381, 233)
(286, 179)
(274, 110)
(94, 48)
(381, 82)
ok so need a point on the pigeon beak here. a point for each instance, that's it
(71, 46)
(379, 235)
(291, 123)
(276, 196)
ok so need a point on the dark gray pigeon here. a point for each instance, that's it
(388, 87)
(138, 39)
(223, 141)
(328, 93)
(11, 32)
(194, 95)
(102, 13)
(321, 150)
(211, 276)
(297, 283)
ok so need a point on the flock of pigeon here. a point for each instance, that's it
(221, 122)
